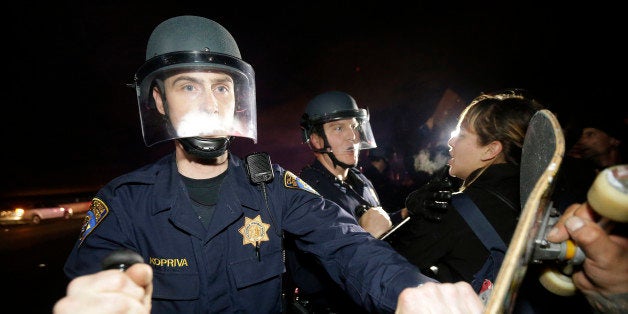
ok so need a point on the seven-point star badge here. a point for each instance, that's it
(254, 231)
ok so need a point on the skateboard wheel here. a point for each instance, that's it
(557, 283)
(609, 193)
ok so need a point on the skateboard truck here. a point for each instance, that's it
(545, 250)
(560, 257)
(608, 196)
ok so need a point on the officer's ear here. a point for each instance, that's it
(316, 141)
(158, 100)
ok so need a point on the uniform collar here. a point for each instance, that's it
(171, 188)
(318, 166)
(167, 183)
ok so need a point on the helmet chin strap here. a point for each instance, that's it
(327, 150)
(337, 162)
(205, 148)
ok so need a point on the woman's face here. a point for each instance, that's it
(467, 155)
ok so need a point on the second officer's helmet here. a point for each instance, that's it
(192, 43)
(332, 106)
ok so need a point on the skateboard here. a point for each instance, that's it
(542, 154)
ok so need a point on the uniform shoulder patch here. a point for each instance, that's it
(98, 210)
(290, 180)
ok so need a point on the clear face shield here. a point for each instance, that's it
(196, 94)
(363, 131)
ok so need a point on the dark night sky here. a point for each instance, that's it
(70, 121)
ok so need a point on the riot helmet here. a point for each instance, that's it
(186, 44)
(332, 106)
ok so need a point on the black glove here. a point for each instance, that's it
(432, 200)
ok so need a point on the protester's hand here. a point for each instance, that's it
(375, 221)
(405, 213)
(603, 277)
(439, 298)
(432, 200)
(109, 291)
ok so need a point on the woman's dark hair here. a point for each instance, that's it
(500, 116)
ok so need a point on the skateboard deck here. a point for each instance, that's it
(542, 154)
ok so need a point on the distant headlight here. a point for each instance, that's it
(18, 212)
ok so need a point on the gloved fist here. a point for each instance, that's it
(432, 200)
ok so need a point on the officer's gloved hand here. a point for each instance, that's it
(432, 200)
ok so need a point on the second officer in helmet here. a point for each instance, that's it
(336, 130)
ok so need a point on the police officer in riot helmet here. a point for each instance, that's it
(220, 105)
(336, 130)
(212, 235)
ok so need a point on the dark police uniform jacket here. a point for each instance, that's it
(362, 192)
(314, 284)
(219, 269)
(329, 186)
